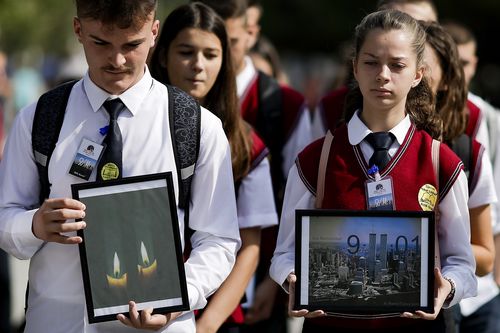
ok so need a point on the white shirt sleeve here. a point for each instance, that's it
(299, 139)
(297, 196)
(457, 260)
(484, 192)
(496, 181)
(212, 216)
(19, 190)
(255, 202)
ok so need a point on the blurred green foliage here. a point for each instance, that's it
(44, 26)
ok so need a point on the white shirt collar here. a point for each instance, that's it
(132, 97)
(357, 130)
(246, 76)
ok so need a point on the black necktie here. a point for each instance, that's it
(110, 166)
(381, 142)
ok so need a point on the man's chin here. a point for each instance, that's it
(117, 87)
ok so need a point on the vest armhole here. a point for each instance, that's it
(446, 188)
(308, 185)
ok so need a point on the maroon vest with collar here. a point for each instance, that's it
(410, 169)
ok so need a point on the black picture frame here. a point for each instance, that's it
(341, 267)
(131, 247)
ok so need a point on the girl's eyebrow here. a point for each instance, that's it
(191, 46)
(392, 58)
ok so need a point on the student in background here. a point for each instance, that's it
(482, 114)
(266, 59)
(392, 100)
(254, 14)
(278, 113)
(193, 54)
(281, 117)
(446, 76)
(424, 10)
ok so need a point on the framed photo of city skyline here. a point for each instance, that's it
(364, 263)
(131, 249)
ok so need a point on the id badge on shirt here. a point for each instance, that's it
(86, 159)
(380, 194)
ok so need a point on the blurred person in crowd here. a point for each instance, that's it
(480, 312)
(193, 46)
(424, 10)
(281, 117)
(254, 14)
(263, 53)
(467, 48)
(266, 59)
(447, 79)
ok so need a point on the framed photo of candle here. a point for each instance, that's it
(361, 264)
(131, 249)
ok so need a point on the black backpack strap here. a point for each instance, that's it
(270, 127)
(462, 146)
(47, 123)
(185, 125)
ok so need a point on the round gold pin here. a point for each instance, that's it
(427, 197)
(110, 171)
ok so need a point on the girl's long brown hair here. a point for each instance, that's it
(222, 99)
(452, 96)
(420, 100)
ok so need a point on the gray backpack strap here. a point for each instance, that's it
(185, 124)
(47, 123)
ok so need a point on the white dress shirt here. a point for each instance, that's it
(56, 297)
(457, 260)
(487, 288)
(301, 135)
(255, 202)
(256, 208)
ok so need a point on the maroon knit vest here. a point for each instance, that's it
(410, 168)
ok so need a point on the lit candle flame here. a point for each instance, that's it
(116, 265)
(144, 254)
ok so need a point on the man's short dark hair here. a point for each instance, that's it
(122, 13)
(227, 9)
